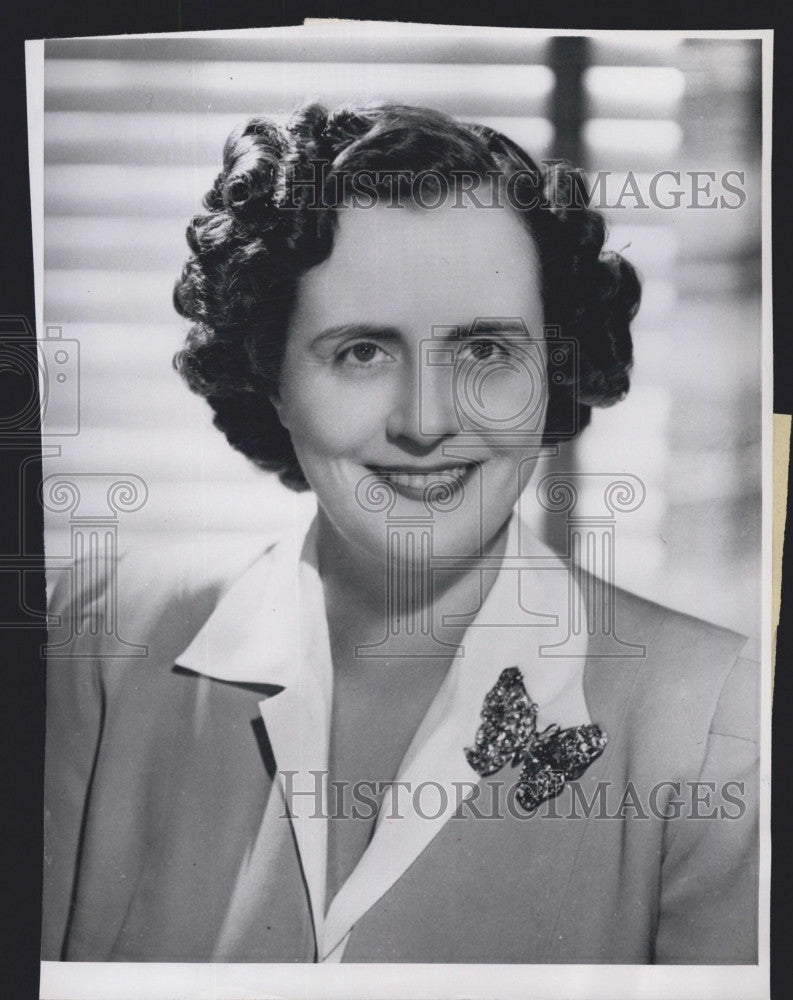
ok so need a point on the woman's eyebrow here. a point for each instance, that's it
(356, 330)
(511, 325)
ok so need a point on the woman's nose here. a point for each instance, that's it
(423, 409)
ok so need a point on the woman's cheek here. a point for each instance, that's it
(338, 419)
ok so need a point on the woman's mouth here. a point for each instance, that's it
(414, 482)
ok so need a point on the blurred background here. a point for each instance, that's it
(133, 133)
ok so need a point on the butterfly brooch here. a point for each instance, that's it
(508, 735)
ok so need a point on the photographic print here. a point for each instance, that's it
(405, 401)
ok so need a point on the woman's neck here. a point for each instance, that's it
(362, 591)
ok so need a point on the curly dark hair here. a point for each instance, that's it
(271, 214)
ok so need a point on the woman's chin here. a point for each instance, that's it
(405, 541)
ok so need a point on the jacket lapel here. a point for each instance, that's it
(297, 729)
(270, 629)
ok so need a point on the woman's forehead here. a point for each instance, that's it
(400, 265)
(476, 230)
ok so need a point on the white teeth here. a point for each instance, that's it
(420, 480)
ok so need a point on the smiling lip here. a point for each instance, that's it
(415, 481)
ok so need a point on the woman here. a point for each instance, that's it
(383, 739)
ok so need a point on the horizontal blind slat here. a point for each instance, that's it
(633, 91)
(127, 191)
(171, 139)
(107, 85)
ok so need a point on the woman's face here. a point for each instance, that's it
(415, 357)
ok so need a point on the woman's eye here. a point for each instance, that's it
(362, 354)
(483, 350)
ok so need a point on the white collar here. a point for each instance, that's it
(252, 635)
(271, 628)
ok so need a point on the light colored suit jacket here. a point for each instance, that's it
(158, 779)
